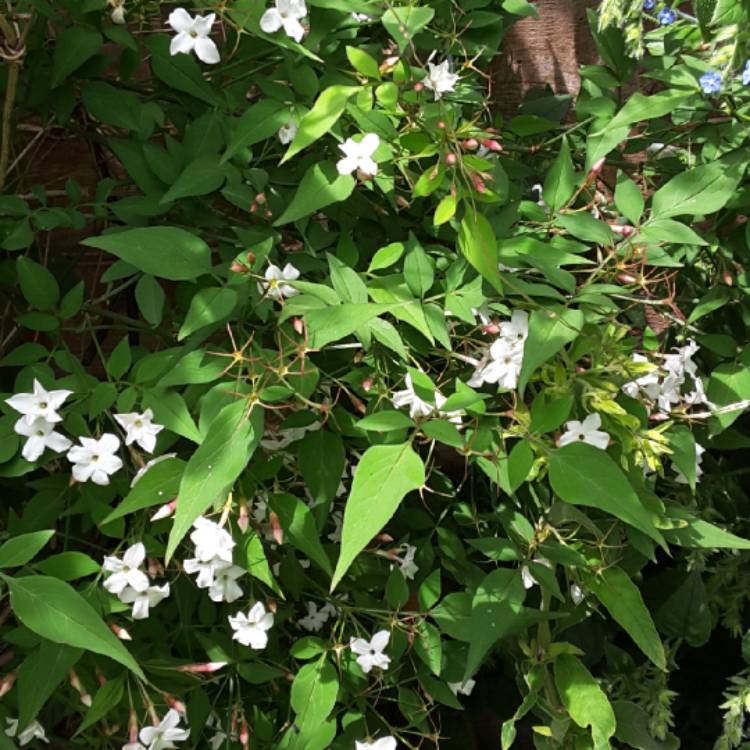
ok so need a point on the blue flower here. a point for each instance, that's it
(746, 74)
(666, 16)
(649, 4)
(711, 82)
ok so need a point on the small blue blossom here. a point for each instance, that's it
(711, 82)
(666, 16)
(649, 4)
(746, 74)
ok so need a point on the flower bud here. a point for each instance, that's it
(441, 124)
(118, 15)
(208, 667)
(471, 144)
(260, 199)
(727, 278)
(492, 329)
(176, 704)
(492, 144)
(624, 230)
(243, 517)
(250, 257)
(6, 683)
(626, 278)
(450, 159)
(479, 185)
(268, 214)
(244, 734)
(418, 86)
(276, 530)
(165, 511)
(238, 267)
(597, 168)
(298, 325)
(121, 633)
(253, 207)
(75, 683)
(367, 385)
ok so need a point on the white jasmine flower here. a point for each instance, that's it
(576, 594)
(314, 620)
(142, 600)
(166, 734)
(370, 653)
(251, 629)
(287, 15)
(516, 330)
(274, 286)
(527, 578)
(540, 200)
(41, 434)
(682, 360)
(193, 35)
(206, 570)
(358, 155)
(585, 432)
(140, 429)
(40, 403)
(420, 408)
(95, 459)
(287, 132)
(33, 731)
(439, 79)
(360, 17)
(211, 541)
(407, 565)
(463, 688)
(384, 743)
(699, 451)
(133, 746)
(118, 15)
(260, 510)
(330, 610)
(225, 587)
(648, 383)
(502, 365)
(126, 572)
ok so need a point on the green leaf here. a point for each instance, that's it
(729, 384)
(258, 122)
(38, 285)
(107, 697)
(181, 72)
(628, 198)
(445, 210)
(73, 48)
(313, 696)
(419, 271)
(585, 227)
(213, 468)
(68, 566)
(386, 256)
(622, 599)
(22, 548)
(164, 252)
(321, 118)
(201, 176)
(682, 443)
(112, 105)
(150, 298)
(299, 526)
(403, 23)
(257, 565)
(586, 702)
(697, 533)
(701, 190)
(55, 611)
(581, 474)
(477, 242)
(322, 478)
(560, 183)
(157, 486)
(685, 613)
(120, 360)
(321, 186)
(333, 323)
(385, 474)
(209, 305)
(170, 409)
(385, 421)
(550, 330)
(633, 728)
(363, 62)
(39, 676)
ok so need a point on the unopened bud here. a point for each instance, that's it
(202, 668)
(260, 199)
(133, 727)
(596, 169)
(479, 185)
(657, 416)
(492, 144)
(155, 568)
(243, 517)
(418, 86)
(359, 406)
(388, 63)
(176, 704)
(276, 530)
(450, 159)
(165, 511)
(7, 682)
(238, 267)
(299, 326)
(118, 15)
(471, 144)
(75, 683)
(121, 633)
(367, 385)
(626, 278)
(491, 328)
(727, 278)
(441, 124)
(250, 257)
(244, 733)
(268, 214)
(624, 230)
(253, 207)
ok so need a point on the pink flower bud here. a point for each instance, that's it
(597, 168)
(238, 267)
(441, 125)
(626, 278)
(253, 207)
(165, 511)
(244, 733)
(133, 727)
(276, 530)
(492, 145)
(6, 684)
(268, 214)
(450, 159)
(260, 199)
(174, 703)
(418, 86)
(202, 668)
(121, 633)
(624, 230)
(479, 185)
(243, 517)
(471, 144)
(491, 328)
(299, 326)
(367, 385)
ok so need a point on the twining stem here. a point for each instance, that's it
(14, 70)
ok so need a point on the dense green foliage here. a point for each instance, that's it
(379, 395)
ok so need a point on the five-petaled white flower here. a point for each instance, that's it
(502, 365)
(95, 459)
(420, 408)
(193, 35)
(40, 403)
(287, 15)
(358, 155)
(408, 567)
(370, 653)
(384, 743)
(164, 736)
(126, 572)
(462, 688)
(140, 429)
(33, 731)
(225, 587)
(142, 600)
(41, 434)
(585, 432)
(206, 570)
(439, 79)
(315, 618)
(287, 132)
(274, 286)
(211, 541)
(251, 629)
